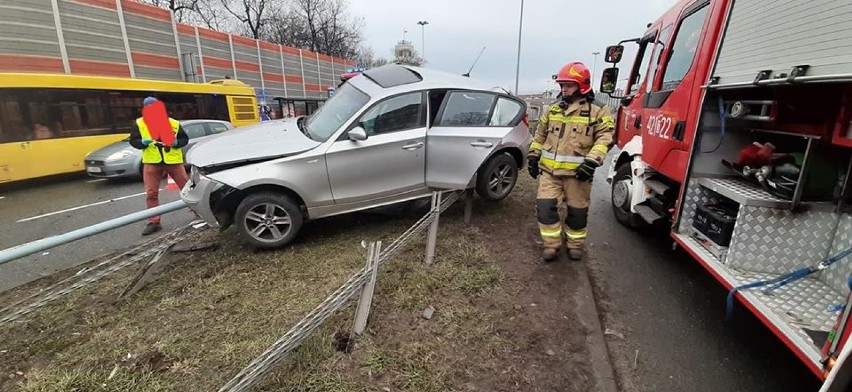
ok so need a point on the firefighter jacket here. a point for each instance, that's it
(564, 138)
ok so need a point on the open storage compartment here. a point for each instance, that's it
(771, 233)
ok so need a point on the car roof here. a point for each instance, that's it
(200, 120)
(429, 79)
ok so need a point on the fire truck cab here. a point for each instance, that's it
(735, 131)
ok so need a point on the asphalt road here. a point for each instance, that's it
(35, 211)
(672, 311)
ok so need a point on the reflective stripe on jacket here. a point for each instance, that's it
(566, 137)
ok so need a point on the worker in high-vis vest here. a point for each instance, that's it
(571, 140)
(158, 158)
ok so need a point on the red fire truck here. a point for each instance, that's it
(735, 131)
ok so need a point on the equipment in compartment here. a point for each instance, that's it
(716, 222)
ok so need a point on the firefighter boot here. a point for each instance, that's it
(575, 254)
(549, 254)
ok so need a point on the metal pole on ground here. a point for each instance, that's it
(15, 252)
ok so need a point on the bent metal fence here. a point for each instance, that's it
(339, 299)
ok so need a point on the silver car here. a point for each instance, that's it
(392, 134)
(121, 160)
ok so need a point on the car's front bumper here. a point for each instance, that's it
(196, 194)
(103, 169)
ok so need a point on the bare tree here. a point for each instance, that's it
(252, 14)
(196, 12)
(322, 26)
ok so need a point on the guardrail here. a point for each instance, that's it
(16, 252)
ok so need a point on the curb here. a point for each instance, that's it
(599, 360)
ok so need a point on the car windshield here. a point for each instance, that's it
(336, 111)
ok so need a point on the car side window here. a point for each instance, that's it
(467, 109)
(505, 111)
(194, 130)
(394, 114)
(216, 127)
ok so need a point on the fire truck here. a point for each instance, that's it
(734, 132)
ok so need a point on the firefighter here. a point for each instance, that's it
(571, 140)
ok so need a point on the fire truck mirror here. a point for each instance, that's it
(608, 80)
(613, 54)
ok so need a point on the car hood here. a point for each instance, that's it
(267, 140)
(103, 152)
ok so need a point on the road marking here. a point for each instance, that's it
(98, 180)
(79, 207)
(2, 197)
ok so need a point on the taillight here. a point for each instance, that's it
(524, 119)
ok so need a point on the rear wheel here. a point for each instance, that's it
(268, 220)
(497, 177)
(622, 186)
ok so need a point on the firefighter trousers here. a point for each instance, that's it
(576, 194)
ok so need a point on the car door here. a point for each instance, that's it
(466, 131)
(390, 161)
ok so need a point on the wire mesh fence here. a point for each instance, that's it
(339, 299)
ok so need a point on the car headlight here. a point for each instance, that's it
(117, 156)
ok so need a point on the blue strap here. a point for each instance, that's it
(783, 280)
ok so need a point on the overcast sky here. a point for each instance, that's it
(555, 32)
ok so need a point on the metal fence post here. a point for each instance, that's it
(432, 239)
(362, 313)
(468, 206)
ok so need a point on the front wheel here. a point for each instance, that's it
(622, 186)
(268, 220)
(497, 178)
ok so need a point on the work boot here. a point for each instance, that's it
(575, 254)
(549, 254)
(151, 228)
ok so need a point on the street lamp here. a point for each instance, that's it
(423, 24)
(595, 66)
(518, 65)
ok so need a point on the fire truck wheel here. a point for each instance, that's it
(622, 184)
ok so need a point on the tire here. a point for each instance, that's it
(497, 177)
(624, 177)
(256, 215)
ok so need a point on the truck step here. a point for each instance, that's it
(647, 213)
(657, 186)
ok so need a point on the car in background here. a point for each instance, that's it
(393, 134)
(121, 160)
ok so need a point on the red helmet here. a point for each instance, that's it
(576, 72)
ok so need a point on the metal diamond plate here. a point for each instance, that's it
(743, 192)
(835, 276)
(802, 304)
(777, 241)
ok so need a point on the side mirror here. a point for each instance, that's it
(608, 79)
(357, 134)
(613, 54)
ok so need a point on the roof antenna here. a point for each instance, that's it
(467, 75)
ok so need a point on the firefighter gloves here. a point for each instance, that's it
(586, 171)
(532, 166)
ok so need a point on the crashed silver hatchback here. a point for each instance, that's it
(389, 135)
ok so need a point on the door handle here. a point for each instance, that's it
(482, 143)
(412, 146)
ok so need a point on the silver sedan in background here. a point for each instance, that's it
(121, 160)
(389, 135)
